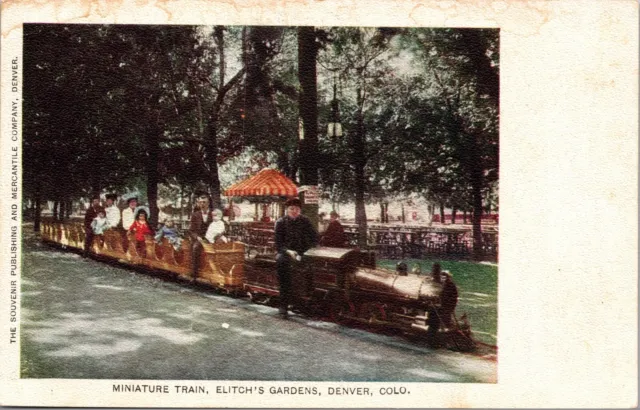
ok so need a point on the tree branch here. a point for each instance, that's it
(182, 139)
(288, 90)
(225, 89)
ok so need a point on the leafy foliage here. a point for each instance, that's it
(111, 106)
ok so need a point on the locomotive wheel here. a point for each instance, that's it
(341, 310)
(373, 312)
(258, 298)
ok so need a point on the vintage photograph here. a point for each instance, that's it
(319, 204)
(260, 203)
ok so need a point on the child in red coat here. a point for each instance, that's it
(140, 228)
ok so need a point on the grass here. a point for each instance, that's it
(478, 292)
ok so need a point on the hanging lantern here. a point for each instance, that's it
(334, 129)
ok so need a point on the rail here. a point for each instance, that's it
(389, 242)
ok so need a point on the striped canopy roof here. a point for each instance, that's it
(267, 182)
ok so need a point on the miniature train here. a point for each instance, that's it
(338, 284)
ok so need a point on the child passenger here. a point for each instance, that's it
(170, 232)
(215, 232)
(100, 223)
(140, 228)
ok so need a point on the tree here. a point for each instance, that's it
(273, 92)
(70, 137)
(466, 69)
(433, 121)
(456, 99)
(308, 102)
(359, 54)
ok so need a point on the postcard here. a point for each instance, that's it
(331, 204)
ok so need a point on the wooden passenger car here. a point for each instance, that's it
(220, 265)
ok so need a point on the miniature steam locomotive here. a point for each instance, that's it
(337, 284)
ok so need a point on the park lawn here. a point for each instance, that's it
(478, 292)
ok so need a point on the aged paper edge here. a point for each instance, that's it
(568, 261)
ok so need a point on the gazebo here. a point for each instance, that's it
(266, 186)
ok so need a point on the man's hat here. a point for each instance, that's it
(129, 196)
(113, 197)
(293, 202)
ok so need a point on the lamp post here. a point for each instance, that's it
(334, 128)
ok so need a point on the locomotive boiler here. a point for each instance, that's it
(345, 285)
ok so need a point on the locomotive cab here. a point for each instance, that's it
(332, 267)
(321, 271)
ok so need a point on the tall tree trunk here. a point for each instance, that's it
(181, 203)
(32, 208)
(190, 205)
(95, 174)
(284, 164)
(464, 216)
(211, 135)
(308, 106)
(38, 212)
(359, 162)
(442, 213)
(453, 214)
(56, 205)
(212, 154)
(63, 209)
(153, 149)
(477, 182)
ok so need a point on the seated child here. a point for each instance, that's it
(141, 228)
(100, 223)
(170, 232)
(215, 232)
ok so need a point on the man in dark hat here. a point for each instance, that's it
(128, 214)
(294, 235)
(200, 220)
(112, 211)
(92, 212)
